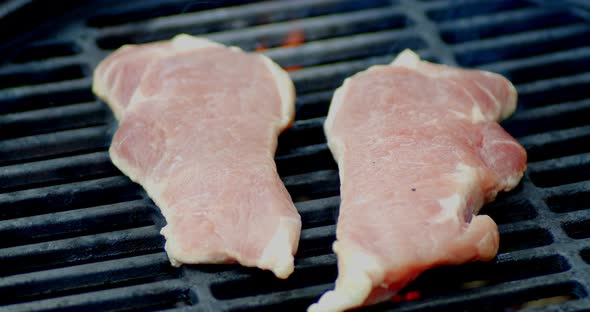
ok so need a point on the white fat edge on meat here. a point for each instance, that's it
(277, 256)
(494, 99)
(358, 274)
(510, 108)
(410, 59)
(286, 91)
(99, 86)
(184, 42)
(451, 207)
(177, 256)
(407, 58)
(512, 181)
(335, 105)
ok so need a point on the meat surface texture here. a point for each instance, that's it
(199, 132)
(419, 152)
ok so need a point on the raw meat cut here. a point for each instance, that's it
(119, 74)
(419, 151)
(199, 133)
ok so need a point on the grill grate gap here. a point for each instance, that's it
(313, 105)
(549, 69)
(303, 133)
(474, 8)
(298, 304)
(53, 119)
(108, 282)
(523, 45)
(17, 79)
(555, 93)
(521, 299)
(55, 144)
(585, 254)
(382, 44)
(142, 13)
(567, 146)
(54, 99)
(313, 185)
(319, 212)
(526, 239)
(502, 24)
(45, 51)
(277, 25)
(56, 171)
(563, 171)
(299, 163)
(159, 294)
(577, 229)
(275, 35)
(75, 223)
(316, 242)
(484, 274)
(549, 119)
(67, 197)
(81, 250)
(264, 283)
(510, 209)
(568, 202)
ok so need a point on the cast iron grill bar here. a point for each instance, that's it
(478, 27)
(57, 170)
(219, 20)
(43, 50)
(555, 144)
(386, 42)
(164, 293)
(429, 31)
(543, 92)
(522, 44)
(22, 103)
(54, 144)
(74, 223)
(42, 89)
(249, 15)
(444, 10)
(515, 69)
(53, 119)
(91, 248)
(324, 77)
(40, 66)
(315, 28)
(127, 270)
(67, 197)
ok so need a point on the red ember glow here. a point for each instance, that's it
(294, 38)
(409, 296)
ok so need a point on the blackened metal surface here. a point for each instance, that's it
(77, 235)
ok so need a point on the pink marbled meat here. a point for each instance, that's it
(419, 151)
(199, 134)
(118, 75)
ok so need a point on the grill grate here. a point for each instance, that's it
(80, 236)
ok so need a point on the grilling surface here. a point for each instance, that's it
(78, 235)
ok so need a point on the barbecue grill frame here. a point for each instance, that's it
(98, 233)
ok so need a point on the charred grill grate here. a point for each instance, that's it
(77, 235)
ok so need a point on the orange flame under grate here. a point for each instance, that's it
(294, 38)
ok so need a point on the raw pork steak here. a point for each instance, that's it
(199, 132)
(419, 151)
